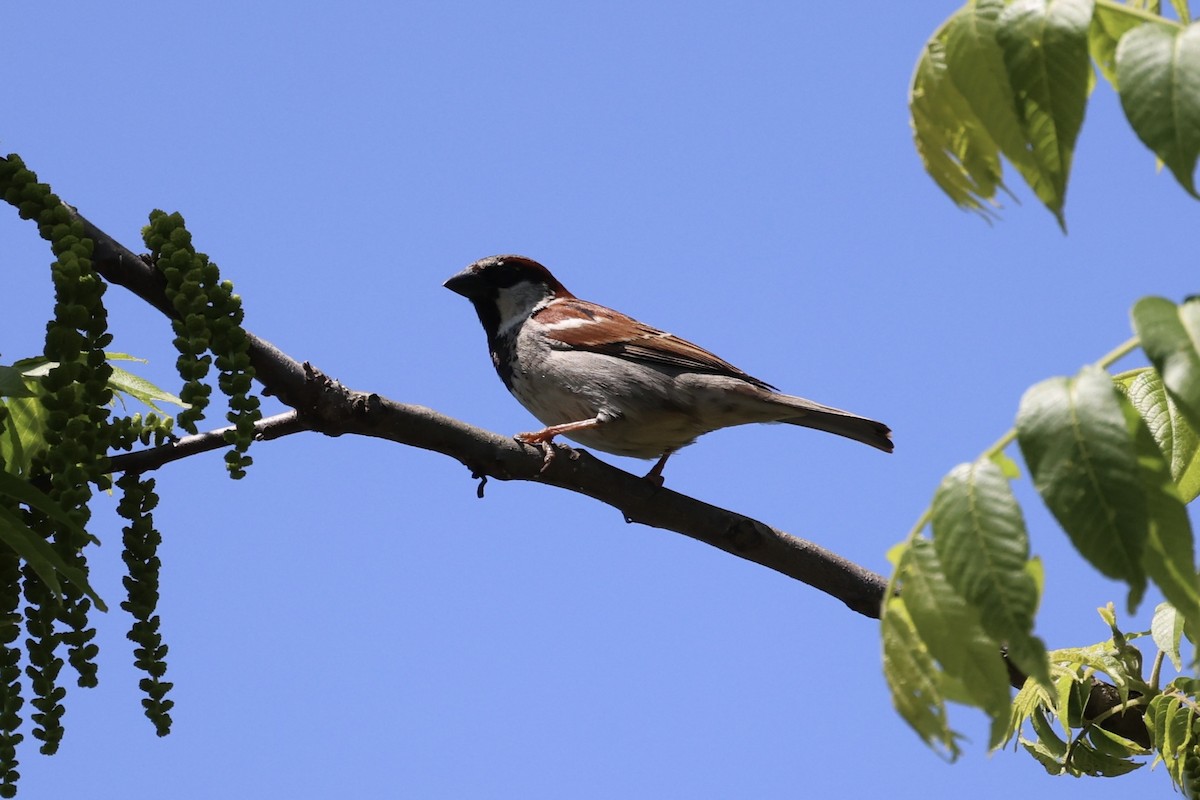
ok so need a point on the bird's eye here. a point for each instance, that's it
(506, 275)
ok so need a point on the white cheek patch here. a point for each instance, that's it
(516, 303)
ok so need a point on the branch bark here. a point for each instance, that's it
(324, 405)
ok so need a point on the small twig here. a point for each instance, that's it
(1105, 708)
(154, 457)
(1131, 703)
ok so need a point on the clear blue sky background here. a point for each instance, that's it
(350, 621)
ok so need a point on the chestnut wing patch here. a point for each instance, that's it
(583, 325)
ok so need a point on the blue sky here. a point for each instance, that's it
(350, 620)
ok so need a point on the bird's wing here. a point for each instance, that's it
(588, 326)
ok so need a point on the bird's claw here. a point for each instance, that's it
(546, 444)
(656, 481)
(655, 477)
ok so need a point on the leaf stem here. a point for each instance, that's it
(1154, 670)
(1104, 362)
(1066, 765)
(1130, 11)
(1001, 443)
(1120, 708)
(1117, 353)
(1181, 8)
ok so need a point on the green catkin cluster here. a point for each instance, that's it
(141, 542)
(208, 331)
(41, 646)
(75, 396)
(79, 433)
(125, 432)
(11, 699)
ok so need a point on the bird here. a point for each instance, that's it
(609, 382)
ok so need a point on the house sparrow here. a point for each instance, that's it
(610, 382)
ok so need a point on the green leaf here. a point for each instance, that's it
(24, 436)
(910, 676)
(1109, 24)
(111, 356)
(1076, 439)
(1178, 728)
(975, 61)
(1087, 760)
(1007, 466)
(1177, 439)
(41, 557)
(12, 383)
(1045, 46)
(1114, 745)
(1158, 71)
(1043, 755)
(1169, 556)
(1101, 657)
(1166, 628)
(952, 631)
(980, 538)
(1108, 613)
(1168, 721)
(29, 544)
(954, 147)
(1181, 8)
(1031, 697)
(22, 539)
(1035, 570)
(1170, 336)
(1071, 696)
(1048, 737)
(35, 367)
(25, 492)
(141, 389)
(975, 64)
(1100, 753)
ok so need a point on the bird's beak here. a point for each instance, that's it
(466, 283)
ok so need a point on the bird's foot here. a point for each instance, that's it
(654, 476)
(545, 442)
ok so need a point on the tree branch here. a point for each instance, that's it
(280, 374)
(488, 454)
(323, 405)
(152, 458)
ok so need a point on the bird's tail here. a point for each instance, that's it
(834, 420)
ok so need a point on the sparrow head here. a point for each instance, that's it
(506, 290)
